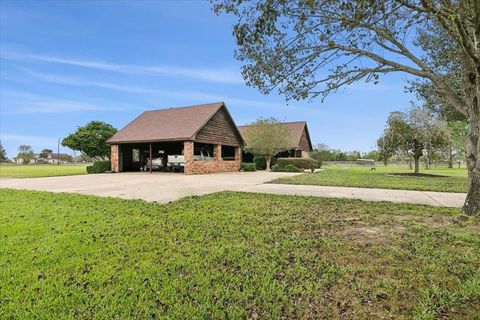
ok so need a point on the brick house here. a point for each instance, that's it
(300, 142)
(204, 136)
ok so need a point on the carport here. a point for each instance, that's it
(195, 139)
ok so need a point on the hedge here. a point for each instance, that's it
(99, 167)
(288, 168)
(302, 163)
(248, 166)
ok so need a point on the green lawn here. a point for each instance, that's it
(234, 255)
(40, 170)
(363, 177)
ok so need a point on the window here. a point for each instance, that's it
(228, 153)
(202, 152)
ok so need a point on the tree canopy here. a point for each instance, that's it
(311, 48)
(3, 153)
(45, 153)
(91, 139)
(416, 132)
(267, 138)
(25, 152)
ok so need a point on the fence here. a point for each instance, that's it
(399, 163)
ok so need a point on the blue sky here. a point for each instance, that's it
(64, 63)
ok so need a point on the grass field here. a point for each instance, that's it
(40, 170)
(234, 255)
(453, 180)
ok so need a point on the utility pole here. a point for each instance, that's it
(58, 152)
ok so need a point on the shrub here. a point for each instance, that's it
(288, 168)
(261, 163)
(302, 163)
(248, 166)
(99, 167)
(291, 168)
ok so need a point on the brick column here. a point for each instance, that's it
(114, 157)
(238, 154)
(217, 152)
(188, 156)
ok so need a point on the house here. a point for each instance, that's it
(300, 142)
(55, 158)
(51, 158)
(200, 139)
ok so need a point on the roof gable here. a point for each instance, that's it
(221, 129)
(173, 124)
(299, 132)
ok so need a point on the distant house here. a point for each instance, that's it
(55, 158)
(197, 139)
(300, 142)
(52, 158)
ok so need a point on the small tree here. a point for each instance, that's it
(3, 153)
(320, 153)
(456, 148)
(91, 139)
(386, 148)
(45, 153)
(25, 152)
(267, 138)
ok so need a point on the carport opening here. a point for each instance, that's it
(166, 157)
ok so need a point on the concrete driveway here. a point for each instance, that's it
(158, 186)
(165, 187)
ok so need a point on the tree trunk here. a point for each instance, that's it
(410, 163)
(472, 149)
(267, 161)
(417, 164)
(450, 158)
(471, 83)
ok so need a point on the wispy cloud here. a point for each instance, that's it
(29, 139)
(26, 103)
(211, 74)
(178, 94)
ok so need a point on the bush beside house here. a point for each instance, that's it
(248, 166)
(99, 167)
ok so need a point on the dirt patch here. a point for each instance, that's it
(416, 175)
(371, 234)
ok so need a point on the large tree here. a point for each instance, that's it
(45, 153)
(267, 138)
(416, 132)
(310, 48)
(91, 139)
(25, 152)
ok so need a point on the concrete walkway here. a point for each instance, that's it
(440, 199)
(165, 187)
(158, 186)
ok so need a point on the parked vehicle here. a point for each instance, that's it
(177, 162)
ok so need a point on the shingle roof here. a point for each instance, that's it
(173, 124)
(296, 128)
